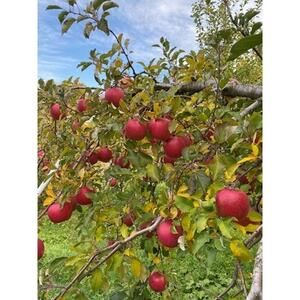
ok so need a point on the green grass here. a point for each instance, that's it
(189, 277)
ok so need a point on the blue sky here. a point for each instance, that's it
(142, 21)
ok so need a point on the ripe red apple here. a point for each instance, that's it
(114, 95)
(82, 197)
(41, 248)
(55, 111)
(232, 203)
(104, 154)
(169, 160)
(159, 129)
(129, 219)
(81, 105)
(165, 234)
(147, 224)
(58, 213)
(120, 161)
(173, 147)
(93, 158)
(243, 179)
(75, 125)
(113, 182)
(157, 281)
(135, 130)
(187, 140)
(41, 153)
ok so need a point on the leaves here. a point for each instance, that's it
(245, 44)
(108, 5)
(103, 26)
(224, 228)
(136, 267)
(88, 29)
(153, 172)
(67, 24)
(184, 204)
(96, 280)
(53, 7)
(239, 250)
(97, 3)
(200, 241)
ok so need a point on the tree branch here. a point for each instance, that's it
(256, 287)
(251, 107)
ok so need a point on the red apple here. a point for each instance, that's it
(159, 129)
(93, 158)
(129, 219)
(135, 130)
(82, 197)
(81, 105)
(41, 248)
(187, 140)
(232, 203)
(174, 146)
(243, 179)
(104, 154)
(113, 182)
(55, 111)
(120, 161)
(157, 281)
(41, 153)
(58, 213)
(169, 160)
(75, 125)
(165, 234)
(145, 225)
(114, 95)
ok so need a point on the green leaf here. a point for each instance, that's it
(118, 296)
(67, 24)
(201, 240)
(80, 296)
(245, 44)
(81, 18)
(184, 204)
(224, 228)
(72, 2)
(87, 29)
(153, 172)
(255, 27)
(103, 26)
(161, 192)
(201, 223)
(53, 7)
(96, 280)
(62, 16)
(108, 5)
(97, 3)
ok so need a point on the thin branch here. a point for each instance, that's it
(242, 279)
(251, 107)
(256, 234)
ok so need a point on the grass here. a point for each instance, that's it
(189, 277)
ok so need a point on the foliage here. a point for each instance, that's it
(184, 192)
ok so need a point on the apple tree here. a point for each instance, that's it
(159, 160)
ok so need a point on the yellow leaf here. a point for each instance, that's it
(247, 158)
(254, 216)
(255, 150)
(229, 173)
(196, 203)
(126, 209)
(173, 212)
(186, 222)
(251, 227)
(81, 174)
(239, 250)
(156, 260)
(182, 189)
(136, 267)
(129, 252)
(49, 191)
(149, 207)
(156, 108)
(124, 231)
(191, 232)
(88, 124)
(48, 201)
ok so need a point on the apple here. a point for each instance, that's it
(114, 95)
(129, 219)
(120, 161)
(187, 140)
(159, 129)
(104, 154)
(173, 147)
(58, 213)
(165, 234)
(135, 130)
(113, 182)
(169, 160)
(157, 281)
(41, 153)
(81, 105)
(41, 248)
(145, 225)
(93, 158)
(75, 125)
(232, 203)
(55, 111)
(243, 179)
(82, 197)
